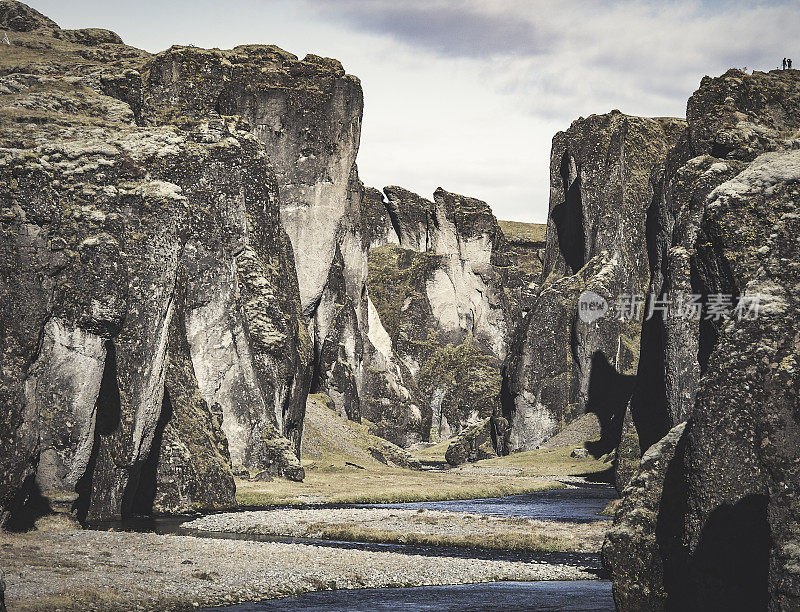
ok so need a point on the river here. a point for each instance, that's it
(576, 504)
(549, 596)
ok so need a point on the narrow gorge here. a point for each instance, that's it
(198, 294)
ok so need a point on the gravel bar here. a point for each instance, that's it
(96, 570)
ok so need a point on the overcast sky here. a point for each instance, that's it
(467, 94)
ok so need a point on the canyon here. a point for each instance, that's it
(188, 258)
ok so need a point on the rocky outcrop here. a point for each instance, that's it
(474, 443)
(154, 331)
(307, 113)
(525, 248)
(604, 174)
(631, 550)
(440, 307)
(188, 239)
(721, 515)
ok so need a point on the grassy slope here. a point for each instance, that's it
(339, 470)
(518, 230)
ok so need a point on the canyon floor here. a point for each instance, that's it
(115, 570)
(94, 570)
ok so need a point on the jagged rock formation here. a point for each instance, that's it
(714, 522)
(440, 307)
(604, 175)
(474, 443)
(308, 116)
(149, 290)
(631, 551)
(187, 238)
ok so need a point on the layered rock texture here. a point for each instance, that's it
(711, 519)
(187, 252)
(443, 296)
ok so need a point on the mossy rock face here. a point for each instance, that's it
(727, 224)
(396, 277)
(524, 249)
(190, 451)
(19, 17)
(738, 116)
(631, 550)
(604, 175)
(446, 296)
(139, 263)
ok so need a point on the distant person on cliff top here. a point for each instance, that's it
(784, 63)
(789, 63)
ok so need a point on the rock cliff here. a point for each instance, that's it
(711, 519)
(307, 114)
(604, 174)
(154, 330)
(188, 251)
(442, 301)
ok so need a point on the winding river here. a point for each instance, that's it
(577, 503)
(572, 596)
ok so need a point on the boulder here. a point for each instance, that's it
(472, 444)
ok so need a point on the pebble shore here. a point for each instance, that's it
(396, 525)
(96, 570)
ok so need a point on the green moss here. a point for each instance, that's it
(463, 367)
(395, 274)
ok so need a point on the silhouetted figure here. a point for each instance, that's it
(789, 63)
(784, 63)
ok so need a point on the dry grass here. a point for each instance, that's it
(331, 442)
(530, 542)
(88, 598)
(433, 453)
(383, 485)
(547, 462)
(335, 482)
(518, 230)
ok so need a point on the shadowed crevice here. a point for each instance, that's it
(143, 499)
(108, 413)
(568, 219)
(28, 506)
(729, 569)
(609, 392)
(649, 407)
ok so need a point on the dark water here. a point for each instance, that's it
(577, 595)
(578, 505)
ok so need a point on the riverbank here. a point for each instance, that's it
(95, 570)
(108, 570)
